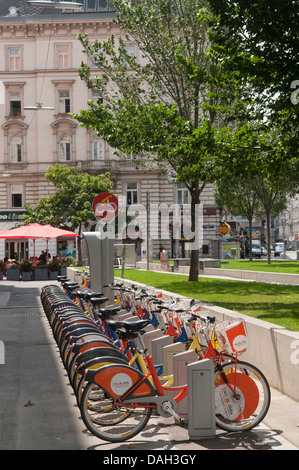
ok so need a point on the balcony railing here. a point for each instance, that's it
(108, 165)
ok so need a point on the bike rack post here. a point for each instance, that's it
(157, 348)
(148, 338)
(180, 362)
(124, 316)
(101, 262)
(168, 353)
(201, 399)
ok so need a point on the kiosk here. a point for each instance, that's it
(100, 248)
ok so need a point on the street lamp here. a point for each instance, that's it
(55, 4)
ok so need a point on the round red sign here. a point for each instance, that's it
(105, 205)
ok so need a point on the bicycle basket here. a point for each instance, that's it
(232, 336)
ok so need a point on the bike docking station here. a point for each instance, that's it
(100, 244)
(197, 409)
(201, 399)
(101, 261)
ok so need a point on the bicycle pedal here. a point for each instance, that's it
(167, 408)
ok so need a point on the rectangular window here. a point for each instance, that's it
(205, 249)
(14, 58)
(131, 155)
(16, 195)
(130, 50)
(183, 194)
(90, 5)
(64, 102)
(64, 150)
(16, 150)
(63, 57)
(103, 5)
(132, 193)
(96, 95)
(15, 104)
(97, 150)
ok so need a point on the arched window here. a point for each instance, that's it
(64, 150)
(15, 150)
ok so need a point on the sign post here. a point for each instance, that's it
(100, 244)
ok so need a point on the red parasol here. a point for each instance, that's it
(37, 231)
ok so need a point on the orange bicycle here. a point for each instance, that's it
(118, 399)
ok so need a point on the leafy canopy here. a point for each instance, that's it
(71, 205)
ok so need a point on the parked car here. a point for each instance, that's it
(256, 250)
(264, 251)
(278, 249)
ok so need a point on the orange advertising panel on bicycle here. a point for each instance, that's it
(232, 336)
(119, 380)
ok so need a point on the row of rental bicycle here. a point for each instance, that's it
(115, 380)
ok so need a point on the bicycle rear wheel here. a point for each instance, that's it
(110, 421)
(242, 396)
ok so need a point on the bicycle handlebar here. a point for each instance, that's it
(206, 319)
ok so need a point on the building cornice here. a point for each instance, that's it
(57, 27)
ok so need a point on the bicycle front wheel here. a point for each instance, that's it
(242, 396)
(110, 421)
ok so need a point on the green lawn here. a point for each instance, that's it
(284, 266)
(278, 304)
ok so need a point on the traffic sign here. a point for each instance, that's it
(105, 206)
(224, 228)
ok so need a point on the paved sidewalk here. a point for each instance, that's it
(38, 410)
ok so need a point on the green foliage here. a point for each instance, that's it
(166, 107)
(67, 262)
(54, 265)
(71, 205)
(258, 43)
(26, 266)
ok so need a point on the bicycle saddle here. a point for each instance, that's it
(112, 310)
(98, 300)
(71, 285)
(81, 294)
(89, 294)
(131, 325)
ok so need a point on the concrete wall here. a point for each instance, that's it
(254, 275)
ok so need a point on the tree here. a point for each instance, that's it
(259, 42)
(169, 107)
(71, 205)
(265, 167)
(273, 200)
(239, 197)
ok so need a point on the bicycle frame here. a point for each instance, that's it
(140, 391)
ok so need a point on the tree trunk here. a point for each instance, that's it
(250, 239)
(195, 199)
(268, 217)
(79, 247)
